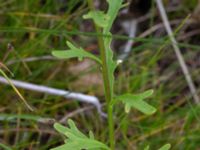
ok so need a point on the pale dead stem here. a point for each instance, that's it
(58, 92)
(178, 52)
(131, 27)
(189, 34)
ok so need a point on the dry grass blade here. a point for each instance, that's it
(16, 90)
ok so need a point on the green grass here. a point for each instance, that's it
(33, 34)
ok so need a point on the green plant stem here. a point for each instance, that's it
(108, 92)
(107, 85)
(111, 127)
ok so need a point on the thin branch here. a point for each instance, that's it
(53, 91)
(177, 51)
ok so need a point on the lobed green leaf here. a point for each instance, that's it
(76, 140)
(113, 8)
(165, 147)
(99, 18)
(147, 147)
(137, 101)
(4, 147)
(75, 52)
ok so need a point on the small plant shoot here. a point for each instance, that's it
(76, 140)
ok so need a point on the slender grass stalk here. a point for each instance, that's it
(107, 89)
(16, 90)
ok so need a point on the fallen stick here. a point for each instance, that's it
(53, 91)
